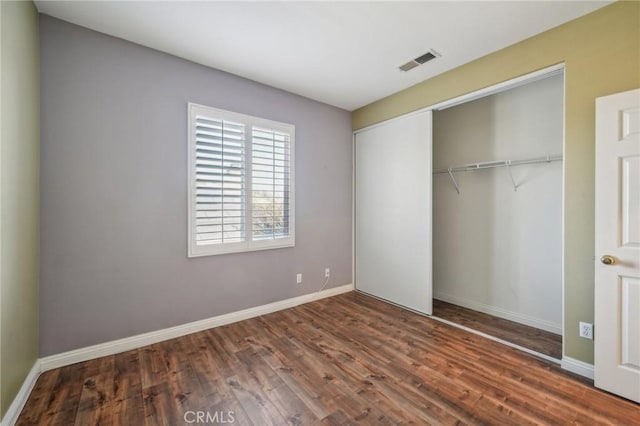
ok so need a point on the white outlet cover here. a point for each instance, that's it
(585, 330)
(299, 278)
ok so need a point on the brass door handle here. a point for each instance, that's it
(607, 259)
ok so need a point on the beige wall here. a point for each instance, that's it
(19, 195)
(601, 52)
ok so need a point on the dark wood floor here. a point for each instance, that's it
(348, 359)
(529, 337)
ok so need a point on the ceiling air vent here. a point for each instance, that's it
(432, 54)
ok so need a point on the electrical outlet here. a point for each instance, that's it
(299, 278)
(586, 330)
(327, 272)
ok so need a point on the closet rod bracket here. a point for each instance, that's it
(513, 181)
(453, 179)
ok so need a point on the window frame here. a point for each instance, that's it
(250, 122)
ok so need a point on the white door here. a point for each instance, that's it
(393, 211)
(617, 270)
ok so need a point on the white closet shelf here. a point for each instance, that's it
(502, 163)
(494, 164)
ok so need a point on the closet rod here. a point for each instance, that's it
(492, 164)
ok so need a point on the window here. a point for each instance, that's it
(241, 182)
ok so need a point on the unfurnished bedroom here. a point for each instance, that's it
(305, 213)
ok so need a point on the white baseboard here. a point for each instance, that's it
(140, 340)
(11, 416)
(501, 313)
(577, 366)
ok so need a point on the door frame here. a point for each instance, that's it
(522, 80)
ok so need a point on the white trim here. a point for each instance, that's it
(1, 149)
(14, 410)
(496, 339)
(353, 209)
(501, 313)
(563, 208)
(249, 122)
(134, 342)
(480, 93)
(502, 87)
(577, 367)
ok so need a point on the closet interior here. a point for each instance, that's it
(497, 214)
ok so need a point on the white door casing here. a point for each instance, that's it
(393, 211)
(617, 284)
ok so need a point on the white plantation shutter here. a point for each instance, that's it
(219, 175)
(241, 192)
(270, 178)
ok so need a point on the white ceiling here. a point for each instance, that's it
(343, 53)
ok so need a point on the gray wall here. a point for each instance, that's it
(496, 250)
(19, 195)
(114, 193)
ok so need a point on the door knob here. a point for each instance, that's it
(607, 259)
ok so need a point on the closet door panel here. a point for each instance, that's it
(393, 212)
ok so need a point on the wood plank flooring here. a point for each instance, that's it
(349, 359)
(529, 337)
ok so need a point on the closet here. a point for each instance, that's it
(497, 205)
(461, 205)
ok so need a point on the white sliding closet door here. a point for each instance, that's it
(393, 211)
